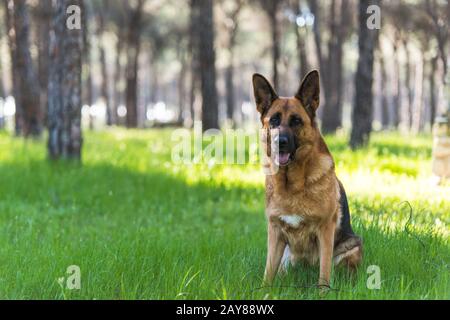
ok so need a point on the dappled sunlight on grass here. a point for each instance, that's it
(141, 226)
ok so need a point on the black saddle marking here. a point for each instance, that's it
(345, 230)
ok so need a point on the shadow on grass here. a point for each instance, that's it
(204, 226)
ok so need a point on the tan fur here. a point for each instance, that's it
(307, 187)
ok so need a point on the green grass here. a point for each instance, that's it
(141, 227)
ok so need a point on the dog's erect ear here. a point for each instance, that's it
(264, 93)
(309, 92)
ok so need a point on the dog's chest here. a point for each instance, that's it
(292, 220)
(288, 216)
(301, 235)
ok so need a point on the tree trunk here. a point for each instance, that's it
(229, 87)
(332, 109)
(27, 79)
(301, 51)
(385, 118)
(181, 83)
(332, 64)
(275, 45)
(2, 96)
(9, 20)
(232, 30)
(409, 88)
(229, 78)
(362, 114)
(315, 9)
(64, 90)
(418, 95)
(397, 87)
(441, 32)
(104, 87)
(88, 97)
(204, 32)
(194, 58)
(300, 36)
(154, 83)
(193, 91)
(118, 75)
(2, 83)
(271, 8)
(330, 118)
(44, 10)
(104, 68)
(133, 50)
(432, 80)
(182, 92)
(2, 86)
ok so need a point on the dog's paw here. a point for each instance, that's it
(324, 290)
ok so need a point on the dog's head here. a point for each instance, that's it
(289, 121)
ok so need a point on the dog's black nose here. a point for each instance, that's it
(283, 142)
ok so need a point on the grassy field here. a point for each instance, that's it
(141, 227)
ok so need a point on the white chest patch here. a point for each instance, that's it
(292, 220)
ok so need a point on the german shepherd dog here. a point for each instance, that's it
(306, 205)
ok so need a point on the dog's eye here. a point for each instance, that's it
(275, 121)
(295, 121)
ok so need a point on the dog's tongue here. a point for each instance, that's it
(283, 158)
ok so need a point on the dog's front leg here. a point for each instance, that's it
(326, 242)
(275, 250)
